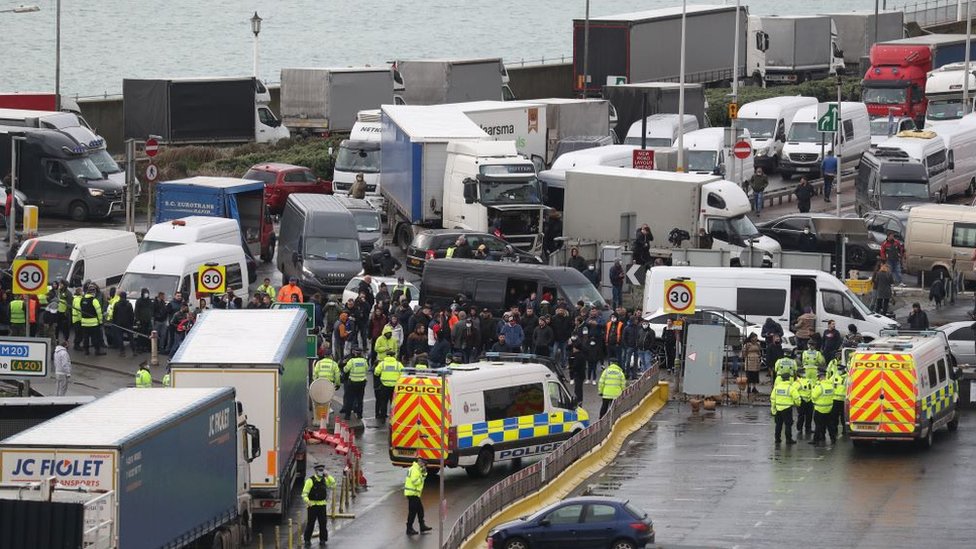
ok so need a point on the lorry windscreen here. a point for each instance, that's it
(759, 128)
(509, 191)
(944, 109)
(83, 168)
(743, 226)
(702, 161)
(804, 132)
(884, 96)
(345, 249)
(357, 159)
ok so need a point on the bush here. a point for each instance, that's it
(188, 161)
(823, 90)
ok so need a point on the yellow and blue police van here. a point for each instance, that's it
(492, 411)
(902, 387)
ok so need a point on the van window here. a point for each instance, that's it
(964, 235)
(760, 302)
(185, 287)
(77, 274)
(848, 129)
(557, 396)
(715, 201)
(836, 303)
(443, 286)
(489, 292)
(942, 371)
(235, 280)
(936, 162)
(932, 376)
(517, 290)
(518, 400)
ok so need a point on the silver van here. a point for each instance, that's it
(318, 243)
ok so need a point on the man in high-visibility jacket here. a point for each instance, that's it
(327, 368)
(784, 397)
(413, 487)
(288, 291)
(91, 320)
(355, 369)
(267, 289)
(64, 304)
(804, 413)
(388, 370)
(18, 317)
(610, 386)
(823, 408)
(785, 365)
(76, 318)
(143, 377)
(315, 493)
(167, 380)
(813, 361)
(386, 345)
(839, 380)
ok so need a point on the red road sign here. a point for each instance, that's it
(152, 147)
(742, 150)
(643, 159)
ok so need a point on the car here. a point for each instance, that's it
(433, 244)
(882, 128)
(579, 522)
(281, 180)
(962, 341)
(658, 320)
(879, 222)
(862, 252)
(352, 289)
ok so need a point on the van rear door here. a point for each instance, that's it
(882, 392)
(416, 429)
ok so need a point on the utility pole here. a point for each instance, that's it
(586, 50)
(837, 148)
(681, 89)
(735, 93)
(965, 85)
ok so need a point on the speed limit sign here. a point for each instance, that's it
(679, 297)
(211, 279)
(30, 276)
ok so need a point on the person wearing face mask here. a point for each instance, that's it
(465, 338)
(646, 341)
(808, 242)
(144, 320)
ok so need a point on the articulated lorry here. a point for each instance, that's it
(943, 91)
(645, 46)
(324, 101)
(200, 111)
(792, 49)
(438, 81)
(856, 29)
(441, 170)
(607, 204)
(262, 355)
(136, 469)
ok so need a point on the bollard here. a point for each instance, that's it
(277, 537)
(345, 475)
(333, 514)
(291, 529)
(260, 541)
(154, 349)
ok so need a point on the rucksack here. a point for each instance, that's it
(319, 491)
(88, 308)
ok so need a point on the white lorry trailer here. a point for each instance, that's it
(792, 49)
(262, 355)
(327, 100)
(439, 81)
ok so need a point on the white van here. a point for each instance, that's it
(780, 294)
(617, 156)
(938, 233)
(768, 121)
(190, 230)
(662, 129)
(175, 269)
(960, 143)
(98, 255)
(708, 154)
(801, 153)
(927, 148)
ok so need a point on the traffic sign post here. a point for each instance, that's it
(742, 150)
(212, 279)
(30, 276)
(828, 115)
(152, 147)
(643, 159)
(679, 297)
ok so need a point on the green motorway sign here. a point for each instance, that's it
(827, 120)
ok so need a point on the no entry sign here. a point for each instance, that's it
(152, 147)
(742, 150)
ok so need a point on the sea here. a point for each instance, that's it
(104, 41)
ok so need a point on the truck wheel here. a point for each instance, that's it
(403, 237)
(78, 211)
(220, 540)
(482, 467)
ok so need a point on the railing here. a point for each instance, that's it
(933, 12)
(535, 477)
(99, 524)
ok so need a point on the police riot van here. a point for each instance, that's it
(902, 387)
(495, 411)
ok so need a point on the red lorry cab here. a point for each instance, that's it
(895, 82)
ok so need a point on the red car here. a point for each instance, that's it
(281, 180)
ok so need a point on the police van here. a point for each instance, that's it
(495, 411)
(902, 387)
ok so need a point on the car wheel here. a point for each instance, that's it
(482, 467)
(623, 544)
(516, 543)
(953, 424)
(78, 211)
(929, 438)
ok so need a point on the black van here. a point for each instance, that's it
(499, 285)
(318, 243)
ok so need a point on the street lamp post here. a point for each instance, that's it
(681, 89)
(256, 29)
(57, 56)
(14, 174)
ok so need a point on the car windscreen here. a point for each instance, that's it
(584, 292)
(57, 255)
(133, 283)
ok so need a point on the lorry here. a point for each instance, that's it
(894, 84)
(325, 101)
(644, 47)
(438, 81)
(943, 90)
(238, 199)
(569, 120)
(38, 101)
(521, 122)
(440, 170)
(266, 364)
(792, 49)
(200, 111)
(856, 29)
(662, 97)
(19, 414)
(360, 154)
(606, 204)
(138, 468)
(58, 175)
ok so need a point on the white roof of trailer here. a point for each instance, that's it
(246, 336)
(433, 123)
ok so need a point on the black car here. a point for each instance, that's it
(879, 222)
(433, 244)
(789, 230)
(582, 522)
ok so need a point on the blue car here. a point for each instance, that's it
(579, 523)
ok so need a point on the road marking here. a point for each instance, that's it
(758, 524)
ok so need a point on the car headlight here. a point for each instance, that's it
(874, 246)
(306, 272)
(96, 192)
(761, 151)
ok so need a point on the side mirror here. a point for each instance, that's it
(296, 257)
(470, 190)
(952, 165)
(544, 522)
(254, 434)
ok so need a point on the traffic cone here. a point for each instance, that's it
(333, 439)
(342, 446)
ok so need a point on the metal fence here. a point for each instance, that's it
(933, 12)
(535, 477)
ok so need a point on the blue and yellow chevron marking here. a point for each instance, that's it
(518, 428)
(938, 401)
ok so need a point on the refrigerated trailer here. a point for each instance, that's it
(327, 100)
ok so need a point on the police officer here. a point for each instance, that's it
(785, 365)
(91, 320)
(143, 377)
(812, 360)
(167, 380)
(388, 370)
(316, 496)
(610, 386)
(839, 379)
(804, 415)
(355, 368)
(784, 397)
(823, 408)
(327, 368)
(413, 487)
